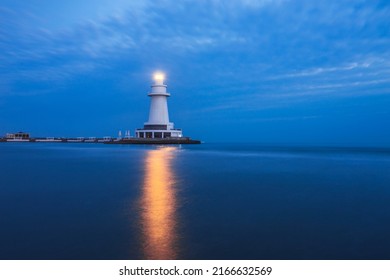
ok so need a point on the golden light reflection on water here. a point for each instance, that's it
(159, 204)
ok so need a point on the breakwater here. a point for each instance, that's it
(105, 140)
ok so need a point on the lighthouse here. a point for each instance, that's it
(158, 125)
(158, 130)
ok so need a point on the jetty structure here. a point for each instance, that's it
(158, 129)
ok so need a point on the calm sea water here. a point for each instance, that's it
(209, 201)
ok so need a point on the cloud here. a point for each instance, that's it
(322, 70)
(284, 119)
(266, 49)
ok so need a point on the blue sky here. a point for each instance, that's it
(267, 71)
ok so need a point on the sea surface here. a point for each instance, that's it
(209, 201)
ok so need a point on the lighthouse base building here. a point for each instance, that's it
(158, 131)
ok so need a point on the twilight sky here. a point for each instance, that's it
(267, 71)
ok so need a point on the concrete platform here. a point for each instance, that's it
(155, 141)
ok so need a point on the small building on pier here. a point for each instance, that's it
(18, 135)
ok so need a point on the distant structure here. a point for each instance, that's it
(158, 125)
(18, 136)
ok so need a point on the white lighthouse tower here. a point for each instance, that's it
(158, 125)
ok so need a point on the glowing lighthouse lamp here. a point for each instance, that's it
(159, 77)
(158, 125)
